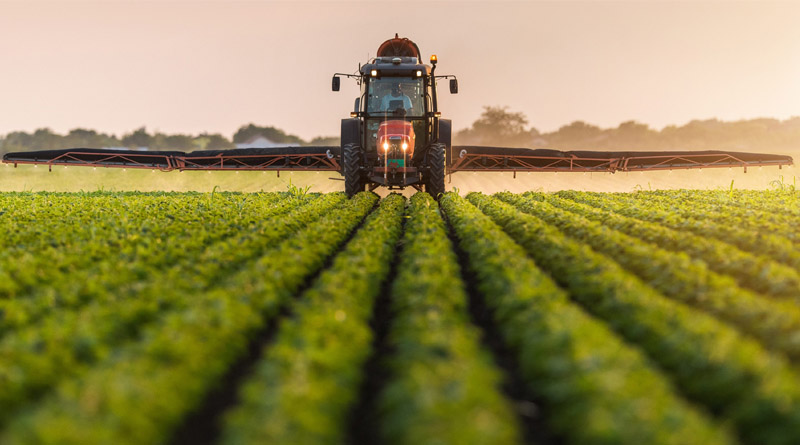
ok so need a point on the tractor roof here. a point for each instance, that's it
(395, 66)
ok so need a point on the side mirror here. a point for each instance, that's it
(335, 83)
(453, 86)
(358, 103)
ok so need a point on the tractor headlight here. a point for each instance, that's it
(405, 145)
(386, 146)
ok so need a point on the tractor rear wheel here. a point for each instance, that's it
(434, 179)
(352, 160)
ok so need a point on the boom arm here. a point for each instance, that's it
(461, 158)
(474, 158)
(319, 158)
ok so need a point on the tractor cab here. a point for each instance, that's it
(397, 111)
(394, 135)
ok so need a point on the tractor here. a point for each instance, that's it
(395, 136)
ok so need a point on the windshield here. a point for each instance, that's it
(396, 96)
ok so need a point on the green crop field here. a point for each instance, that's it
(652, 317)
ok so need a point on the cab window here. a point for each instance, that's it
(396, 96)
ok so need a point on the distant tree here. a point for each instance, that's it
(273, 134)
(17, 141)
(138, 138)
(789, 134)
(325, 140)
(45, 139)
(219, 142)
(81, 138)
(163, 141)
(498, 126)
(577, 131)
(632, 135)
(214, 141)
(179, 142)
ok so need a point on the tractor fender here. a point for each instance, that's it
(350, 134)
(446, 137)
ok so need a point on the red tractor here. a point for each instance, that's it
(395, 136)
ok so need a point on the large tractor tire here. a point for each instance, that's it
(352, 160)
(434, 178)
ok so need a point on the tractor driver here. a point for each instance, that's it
(396, 94)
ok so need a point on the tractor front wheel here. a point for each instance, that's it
(434, 179)
(352, 160)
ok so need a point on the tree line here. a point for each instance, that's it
(496, 126)
(46, 139)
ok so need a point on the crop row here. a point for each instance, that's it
(711, 362)
(319, 351)
(757, 272)
(771, 201)
(63, 343)
(756, 213)
(148, 258)
(77, 234)
(691, 208)
(55, 214)
(752, 241)
(287, 318)
(596, 388)
(442, 386)
(141, 393)
(775, 323)
(46, 238)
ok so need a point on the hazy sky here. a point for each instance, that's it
(191, 66)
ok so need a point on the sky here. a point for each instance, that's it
(213, 66)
